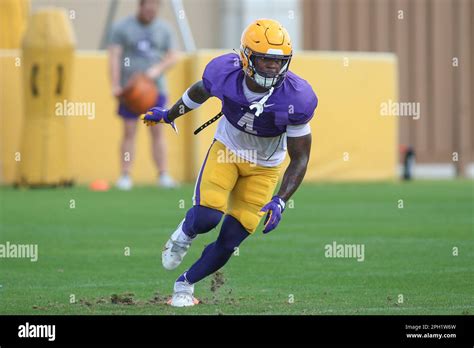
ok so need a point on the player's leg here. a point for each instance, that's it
(199, 219)
(214, 256)
(158, 150)
(215, 182)
(250, 194)
(127, 152)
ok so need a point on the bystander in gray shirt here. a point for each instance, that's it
(143, 46)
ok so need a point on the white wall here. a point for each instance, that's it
(213, 23)
(236, 15)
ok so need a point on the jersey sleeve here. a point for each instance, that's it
(216, 73)
(210, 78)
(300, 130)
(310, 102)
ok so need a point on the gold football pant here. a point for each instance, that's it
(235, 186)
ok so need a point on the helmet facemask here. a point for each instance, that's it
(261, 78)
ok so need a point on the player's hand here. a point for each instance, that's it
(157, 115)
(274, 208)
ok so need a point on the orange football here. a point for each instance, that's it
(140, 94)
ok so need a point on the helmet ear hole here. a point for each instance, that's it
(246, 60)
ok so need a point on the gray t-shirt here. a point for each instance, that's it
(143, 46)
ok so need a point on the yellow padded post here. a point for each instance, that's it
(48, 54)
(13, 20)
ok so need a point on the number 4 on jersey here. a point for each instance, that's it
(246, 121)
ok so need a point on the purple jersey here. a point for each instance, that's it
(292, 103)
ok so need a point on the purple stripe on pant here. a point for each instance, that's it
(197, 193)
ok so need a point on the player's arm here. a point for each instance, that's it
(192, 98)
(299, 149)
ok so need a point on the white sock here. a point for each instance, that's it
(183, 237)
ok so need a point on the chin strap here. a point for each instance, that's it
(261, 103)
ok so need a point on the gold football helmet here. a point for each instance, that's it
(265, 39)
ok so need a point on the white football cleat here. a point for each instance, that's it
(175, 248)
(183, 295)
(124, 183)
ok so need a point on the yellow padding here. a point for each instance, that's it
(351, 139)
(13, 21)
(48, 54)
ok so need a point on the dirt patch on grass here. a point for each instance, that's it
(84, 302)
(217, 281)
(221, 292)
(127, 299)
(41, 308)
(101, 300)
(158, 299)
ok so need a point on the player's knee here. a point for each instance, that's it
(231, 235)
(200, 219)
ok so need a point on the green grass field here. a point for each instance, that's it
(408, 251)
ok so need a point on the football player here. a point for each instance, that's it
(267, 110)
